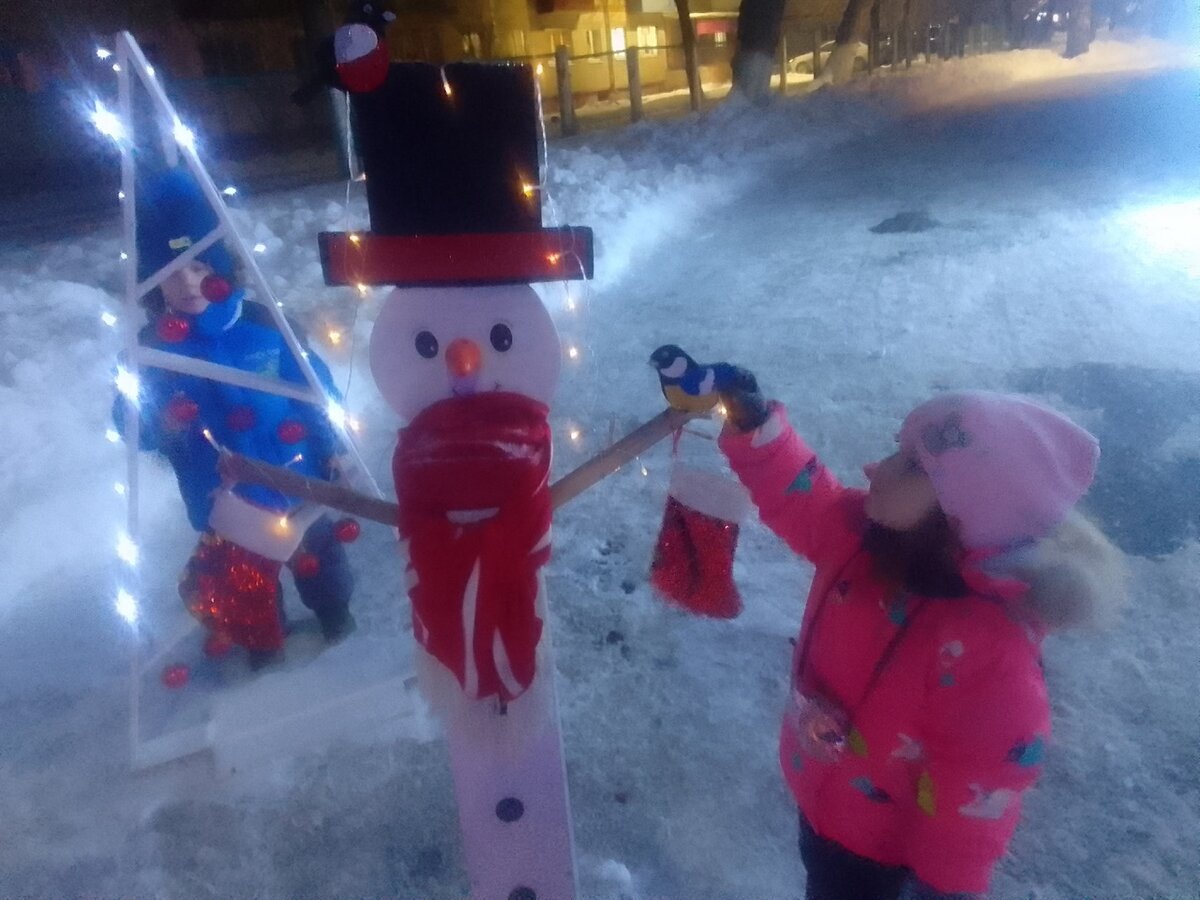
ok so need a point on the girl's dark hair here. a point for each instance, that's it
(924, 560)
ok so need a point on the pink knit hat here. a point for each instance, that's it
(1005, 469)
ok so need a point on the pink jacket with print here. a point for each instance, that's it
(953, 727)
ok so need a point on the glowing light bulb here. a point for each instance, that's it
(260, 248)
(102, 53)
(336, 413)
(116, 67)
(571, 303)
(230, 191)
(528, 189)
(112, 435)
(127, 384)
(282, 526)
(446, 85)
(279, 303)
(335, 337)
(355, 425)
(553, 258)
(126, 606)
(108, 319)
(645, 472)
(574, 434)
(119, 488)
(363, 290)
(540, 68)
(127, 550)
(721, 411)
(150, 71)
(107, 122)
(124, 256)
(573, 352)
(184, 135)
(355, 238)
(120, 195)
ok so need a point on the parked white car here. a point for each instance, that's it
(803, 64)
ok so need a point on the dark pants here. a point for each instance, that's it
(834, 873)
(327, 592)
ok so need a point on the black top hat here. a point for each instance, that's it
(451, 159)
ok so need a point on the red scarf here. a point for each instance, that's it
(476, 583)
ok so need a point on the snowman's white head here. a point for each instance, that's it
(430, 344)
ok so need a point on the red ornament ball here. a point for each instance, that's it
(215, 289)
(176, 676)
(217, 645)
(291, 432)
(346, 530)
(306, 565)
(173, 329)
(241, 418)
(182, 410)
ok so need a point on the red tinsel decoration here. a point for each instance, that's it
(235, 593)
(693, 562)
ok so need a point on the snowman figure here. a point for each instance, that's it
(467, 355)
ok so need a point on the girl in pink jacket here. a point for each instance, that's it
(918, 713)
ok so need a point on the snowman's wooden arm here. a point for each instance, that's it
(237, 468)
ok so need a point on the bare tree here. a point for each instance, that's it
(851, 31)
(759, 25)
(688, 31)
(1079, 29)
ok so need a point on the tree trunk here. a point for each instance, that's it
(1079, 29)
(851, 31)
(758, 32)
(688, 30)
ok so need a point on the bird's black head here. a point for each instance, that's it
(667, 354)
(375, 14)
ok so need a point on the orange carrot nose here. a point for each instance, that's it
(463, 357)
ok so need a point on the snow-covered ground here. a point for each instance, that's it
(1064, 261)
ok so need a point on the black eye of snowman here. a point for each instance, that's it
(501, 337)
(426, 344)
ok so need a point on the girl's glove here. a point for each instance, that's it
(745, 407)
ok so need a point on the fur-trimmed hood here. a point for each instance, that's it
(1076, 577)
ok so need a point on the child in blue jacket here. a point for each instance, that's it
(247, 532)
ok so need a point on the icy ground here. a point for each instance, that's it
(1063, 259)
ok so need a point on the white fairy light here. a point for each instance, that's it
(120, 195)
(112, 435)
(335, 336)
(184, 135)
(645, 471)
(127, 550)
(108, 318)
(116, 67)
(126, 606)
(150, 71)
(107, 122)
(574, 434)
(230, 191)
(119, 488)
(102, 53)
(573, 352)
(363, 290)
(124, 256)
(127, 384)
(260, 248)
(336, 413)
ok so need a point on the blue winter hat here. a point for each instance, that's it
(173, 214)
